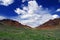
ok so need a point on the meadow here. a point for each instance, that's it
(15, 33)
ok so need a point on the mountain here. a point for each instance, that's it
(50, 24)
(10, 22)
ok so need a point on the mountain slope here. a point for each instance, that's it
(50, 24)
(11, 23)
(12, 33)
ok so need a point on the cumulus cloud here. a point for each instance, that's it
(2, 17)
(33, 15)
(19, 11)
(6, 2)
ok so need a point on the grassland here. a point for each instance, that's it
(13, 33)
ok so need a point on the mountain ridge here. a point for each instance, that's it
(12, 23)
(49, 24)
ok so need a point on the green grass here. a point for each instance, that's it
(13, 33)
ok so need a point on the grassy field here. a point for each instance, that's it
(13, 33)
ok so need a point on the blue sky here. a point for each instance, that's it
(9, 8)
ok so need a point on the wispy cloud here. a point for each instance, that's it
(2, 17)
(58, 9)
(6, 2)
(33, 15)
(23, 0)
(55, 16)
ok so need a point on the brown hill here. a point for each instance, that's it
(11, 23)
(50, 24)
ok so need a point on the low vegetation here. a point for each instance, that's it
(15, 33)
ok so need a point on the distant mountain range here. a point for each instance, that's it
(50, 24)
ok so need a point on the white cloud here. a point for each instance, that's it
(58, 9)
(6, 2)
(19, 11)
(55, 16)
(32, 5)
(25, 8)
(2, 17)
(23, 0)
(33, 15)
